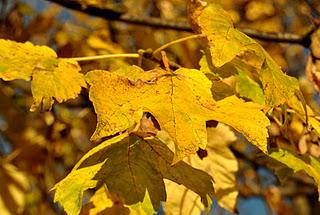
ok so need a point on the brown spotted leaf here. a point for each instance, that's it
(177, 101)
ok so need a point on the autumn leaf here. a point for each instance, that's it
(246, 117)
(100, 201)
(18, 60)
(52, 78)
(181, 200)
(219, 89)
(177, 101)
(308, 164)
(104, 202)
(227, 43)
(62, 83)
(248, 88)
(144, 207)
(134, 166)
(69, 191)
(13, 189)
(220, 163)
(190, 105)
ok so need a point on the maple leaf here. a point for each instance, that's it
(177, 100)
(308, 164)
(18, 60)
(181, 102)
(62, 83)
(220, 163)
(227, 43)
(69, 191)
(52, 78)
(247, 118)
(134, 166)
(181, 200)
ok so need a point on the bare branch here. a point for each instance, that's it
(111, 14)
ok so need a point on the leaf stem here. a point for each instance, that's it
(98, 57)
(177, 41)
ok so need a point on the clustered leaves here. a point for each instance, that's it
(140, 114)
(52, 77)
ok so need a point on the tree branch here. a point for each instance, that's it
(110, 14)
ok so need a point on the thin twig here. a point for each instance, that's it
(13, 155)
(177, 41)
(98, 57)
(110, 14)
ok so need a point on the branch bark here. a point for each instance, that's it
(110, 14)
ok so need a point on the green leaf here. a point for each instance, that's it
(308, 164)
(144, 207)
(248, 88)
(69, 191)
(226, 43)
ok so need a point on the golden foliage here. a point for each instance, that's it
(52, 78)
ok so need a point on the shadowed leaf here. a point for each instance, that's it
(135, 166)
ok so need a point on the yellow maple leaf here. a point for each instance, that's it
(181, 200)
(62, 83)
(18, 60)
(177, 100)
(220, 163)
(181, 102)
(52, 78)
(245, 117)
